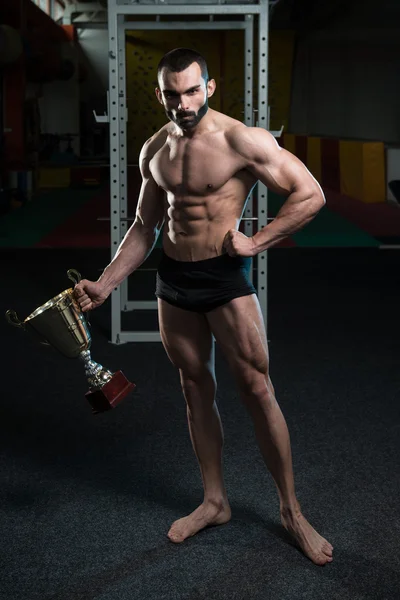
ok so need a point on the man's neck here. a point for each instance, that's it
(206, 125)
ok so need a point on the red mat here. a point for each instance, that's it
(82, 229)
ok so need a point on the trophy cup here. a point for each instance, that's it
(60, 323)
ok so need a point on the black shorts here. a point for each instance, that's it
(203, 285)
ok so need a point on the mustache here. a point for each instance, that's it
(181, 115)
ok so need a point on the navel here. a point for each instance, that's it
(209, 185)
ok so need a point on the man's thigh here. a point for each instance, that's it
(239, 330)
(186, 337)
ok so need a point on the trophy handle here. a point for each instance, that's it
(74, 275)
(13, 319)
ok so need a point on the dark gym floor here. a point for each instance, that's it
(87, 500)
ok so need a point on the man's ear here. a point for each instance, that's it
(159, 96)
(211, 87)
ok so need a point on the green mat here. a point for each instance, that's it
(26, 226)
(328, 229)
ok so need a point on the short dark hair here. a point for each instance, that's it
(180, 59)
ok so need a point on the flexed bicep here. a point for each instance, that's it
(278, 169)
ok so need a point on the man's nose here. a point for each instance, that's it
(183, 104)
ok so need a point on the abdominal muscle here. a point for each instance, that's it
(195, 228)
(206, 243)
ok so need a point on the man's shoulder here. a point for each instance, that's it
(249, 141)
(151, 147)
(155, 142)
(237, 131)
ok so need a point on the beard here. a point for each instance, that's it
(188, 120)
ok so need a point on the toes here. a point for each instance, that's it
(327, 556)
(323, 560)
(174, 537)
(324, 556)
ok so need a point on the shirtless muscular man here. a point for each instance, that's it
(197, 172)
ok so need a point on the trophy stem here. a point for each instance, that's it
(95, 373)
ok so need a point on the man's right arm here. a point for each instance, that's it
(142, 235)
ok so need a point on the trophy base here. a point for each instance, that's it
(110, 394)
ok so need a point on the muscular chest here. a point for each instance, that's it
(193, 167)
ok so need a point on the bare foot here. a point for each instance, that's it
(206, 514)
(314, 546)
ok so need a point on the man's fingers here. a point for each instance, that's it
(79, 288)
(79, 291)
(227, 240)
(85, 304)
(83, 299)
(227, 244)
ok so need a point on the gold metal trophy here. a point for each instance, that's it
(60, 323)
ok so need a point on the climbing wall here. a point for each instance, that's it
(224, 53)
(232, 74)
(281, 48)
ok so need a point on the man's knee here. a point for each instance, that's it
(254, 383)
(199, 389)
(194, 377)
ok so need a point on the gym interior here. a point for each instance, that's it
(88, 498)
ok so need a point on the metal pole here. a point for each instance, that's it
(117, 117)
(188, 9)
(248, 109)
(123, 166)
(262, 192)
(185, 25)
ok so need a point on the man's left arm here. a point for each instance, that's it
(285, 174)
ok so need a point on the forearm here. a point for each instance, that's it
(295, 214)
(132, 252)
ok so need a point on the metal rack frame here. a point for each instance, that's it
(118, 10)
